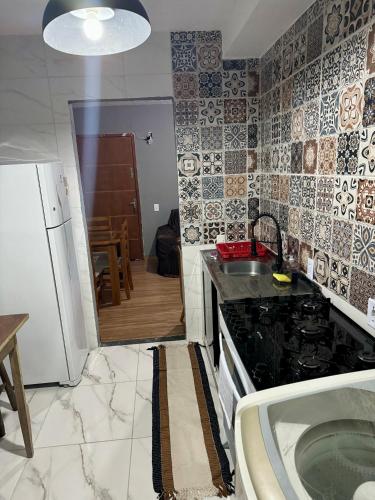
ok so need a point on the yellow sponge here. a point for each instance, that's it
(282, 278)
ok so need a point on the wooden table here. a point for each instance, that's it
(9, 326)
(110, 247)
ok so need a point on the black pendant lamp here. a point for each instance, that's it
(95, 27)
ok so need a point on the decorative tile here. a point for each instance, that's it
(321, 267)
(339, 277)
(266, 77)
(327, 155)
(236, 231)
(235, 111)
(252, 83)
(345, 197)
(296, 157)
(276, 70)
(333, 23)
(275, 187)
(311, 119)
(275, 159)
(266, 159)
(362, 287)
(285, 158)
(213, 210)
(305, 253)
(234, 64)
(293, 247)
(364, 247)
(184, 57)
(190, 188)
(342, 236)
(192, 234)
(299, 51)
(235, 210)
(288, 60)
(329, 114)
(325, 194)
(307, 226)
(369, 109)
(283, 217)
(187, 139)
(210, 84)
(275, 133)
(185, 85)
(252, 136)
(367, 153)
(308, 187)
(235, 137)
(212, 188)
(331, 70)
(313, 73)
(356, 16)
(186, 113)
(212, 138)
(234, 84)
(253, 110)
(286, 94)
(314, 39)
(351, 107)
(189, 164)
(366, 201)
(295, 190)
(211, 112)
(266, 186)
(371, 50)
(209, 57)
(252, 161)
(209, 36)
(190, 212)
(267, 132)
(178, 37)
(286, 127)
(297, 132)
(284, 188)
(253, 208)
(323, 230)
(294, 222)
(253, 185)
(235, 186)
(212, 163)
(299, 88)
(353, 61)
(347, 153)
(235, 162)
(211, 230)
(276, 100)
(310, 156)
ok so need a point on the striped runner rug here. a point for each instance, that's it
(189, 461)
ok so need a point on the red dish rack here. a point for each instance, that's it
(239, 250)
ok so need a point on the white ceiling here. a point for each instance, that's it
(249, 26)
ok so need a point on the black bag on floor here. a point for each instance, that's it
(167, 239)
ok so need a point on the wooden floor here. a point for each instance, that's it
(153, 312)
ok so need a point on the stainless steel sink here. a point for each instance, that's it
(246, 268)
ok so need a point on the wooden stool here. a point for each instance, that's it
(9, 326)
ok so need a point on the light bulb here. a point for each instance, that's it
(93, 28)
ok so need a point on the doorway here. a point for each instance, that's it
(126, 177)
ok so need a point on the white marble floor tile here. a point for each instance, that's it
(11, 467)
(39, 401)
(84, 472)
(108, 365)
(140, 479)
(143, 410)
(88, 414)
(145, 363)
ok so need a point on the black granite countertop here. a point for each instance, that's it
(232, 287)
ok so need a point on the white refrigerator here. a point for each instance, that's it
(39, 274)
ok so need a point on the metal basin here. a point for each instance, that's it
(245, 268)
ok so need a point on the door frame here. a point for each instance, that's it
(135, 173)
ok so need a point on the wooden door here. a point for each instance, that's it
(110, 185)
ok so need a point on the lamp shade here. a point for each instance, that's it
(95, 27)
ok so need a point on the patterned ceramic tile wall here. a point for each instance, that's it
(217, 105)
(317, 133)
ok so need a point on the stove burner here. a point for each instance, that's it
(367, 357)
(311, 307)
(312, 329)
(310, 363)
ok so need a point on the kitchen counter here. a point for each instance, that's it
(234, 287)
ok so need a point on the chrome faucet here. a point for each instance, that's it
(279, 261)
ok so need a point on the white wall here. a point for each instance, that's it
(36, 84)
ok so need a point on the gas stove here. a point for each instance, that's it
(291, 339)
